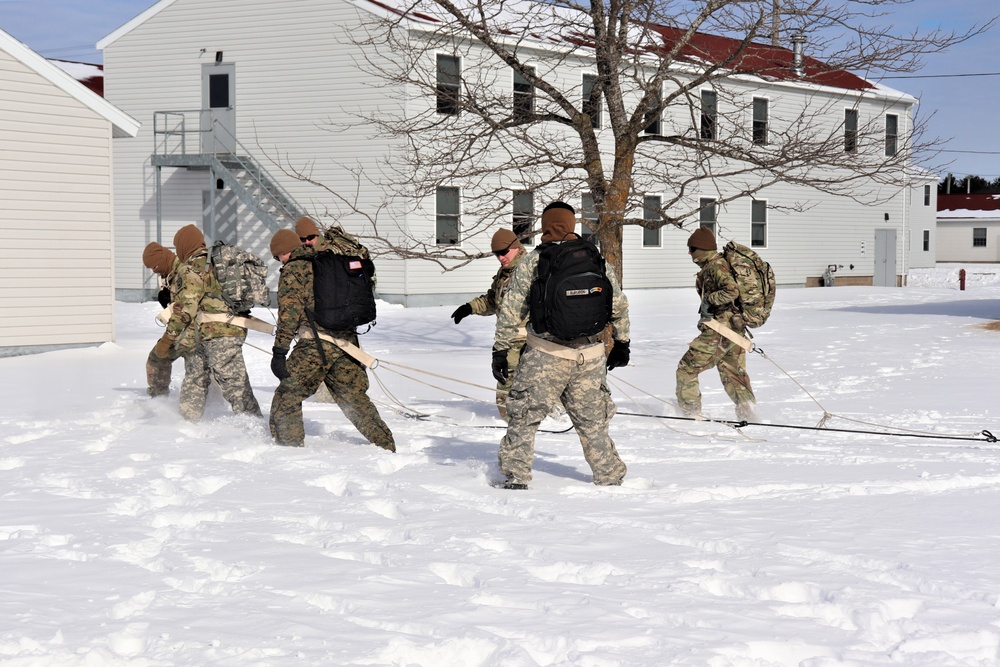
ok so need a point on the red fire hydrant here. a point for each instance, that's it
(961, 280)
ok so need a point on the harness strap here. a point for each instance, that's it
(238, 321)
(726, 332)
(359, 355)
(580, 355)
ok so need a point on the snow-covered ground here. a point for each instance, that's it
(130, 537)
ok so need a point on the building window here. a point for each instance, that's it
(927, 240)
(927, 195)
(850, 130)
(978, 237)
(524, 97)
(591, 106)
(448, 216)
(449, 81)
(652, 118)
(588, 217)
(651, 211)
(709, 114)
(760, 120)
(891, 134)
(758, 224)
(523, 215)
(707, 216)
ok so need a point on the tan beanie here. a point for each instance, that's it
(702, 239)
(158, 259)
(284, 240)
(558, 221)
(188, 239)
(306, 226)
(504, 239)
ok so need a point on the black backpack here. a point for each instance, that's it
(571, 295)
(344, 291)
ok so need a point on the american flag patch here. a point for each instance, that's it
(354, 265)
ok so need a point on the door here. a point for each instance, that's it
(218, 100)
(885, 258)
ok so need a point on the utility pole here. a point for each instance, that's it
(776, 23)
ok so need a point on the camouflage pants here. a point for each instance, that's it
(708, 350)
(158, 371)
(541, 381)
(347, 381)
(219, 359)
(503, 388)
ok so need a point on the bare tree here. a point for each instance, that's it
(500, 108)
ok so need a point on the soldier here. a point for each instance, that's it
(508, 250)
(211, 349)
(553, 370)
(334, 239)
(317, 358)
(718, 291)
(162, 262)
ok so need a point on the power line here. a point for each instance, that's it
(939, 76)
(970, 152)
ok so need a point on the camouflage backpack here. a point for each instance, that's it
(242, 275)
(755, 281)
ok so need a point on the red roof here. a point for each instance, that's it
(963, 202)
(773, 62)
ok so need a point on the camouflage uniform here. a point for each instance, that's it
(345, 377)
(716, 285)
(543, 380)
(488, 304)
(211, 350)
(159, 369)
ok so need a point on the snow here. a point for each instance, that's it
(130, 537)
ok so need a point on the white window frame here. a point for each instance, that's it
(891, 134)
(652, 238)
(709, 217)
(588, 211)
(588, 81)
(441, 99)
(708, 129)
(851, 133)
(979, 238)
(520, 218)
(523, 100)
(756, 205)
(440, 219)
(766, 122)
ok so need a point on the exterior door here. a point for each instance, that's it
(885, 258)
(218, 101)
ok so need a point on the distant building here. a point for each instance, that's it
(57, 283)
(968, 228)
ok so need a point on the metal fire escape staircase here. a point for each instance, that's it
(193, 140)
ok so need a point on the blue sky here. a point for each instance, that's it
(966, 109)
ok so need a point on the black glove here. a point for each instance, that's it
(164, 297)
(619, 354)
(500, 369)
(278, 363)
(462, 312)
(705, 311)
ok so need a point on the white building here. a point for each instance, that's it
(57, 281)
(256, 79)
(968, 228)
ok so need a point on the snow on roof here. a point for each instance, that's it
(968, 206)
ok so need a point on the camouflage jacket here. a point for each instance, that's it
(197, 291)
(489, 303)
(715, 284)
(514, 308)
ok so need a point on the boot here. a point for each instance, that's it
(745, 411)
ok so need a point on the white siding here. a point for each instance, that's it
(56, 247)
(954, 240)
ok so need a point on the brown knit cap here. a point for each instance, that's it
(702, 239)
(504, 239)
(284, 240)
(188, 239)
(306, 226)
(558, 221)
(158, 259)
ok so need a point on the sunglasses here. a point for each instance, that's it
(501, 253)
(307, 238)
